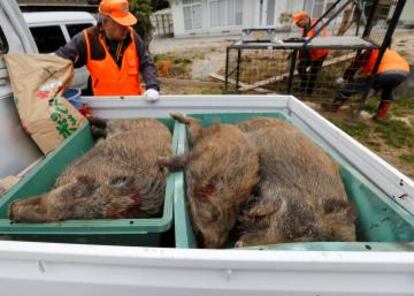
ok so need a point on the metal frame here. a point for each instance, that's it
(326, 23)
(294, 47)
(370, 19)
(293, 57)
(361, 7)
(382, 47)
(325, 13)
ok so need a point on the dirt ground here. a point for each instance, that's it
(191, 60)
(192, 64)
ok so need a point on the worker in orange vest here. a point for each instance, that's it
(311, 58)
(392, 71)
(114, 54)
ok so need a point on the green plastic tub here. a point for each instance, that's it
(382, 224)
(138, 232)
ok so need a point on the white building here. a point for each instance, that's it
(215, 17)
(407, 16)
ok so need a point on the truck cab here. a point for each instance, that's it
(53, 29)
(36, 32)
(17, 150)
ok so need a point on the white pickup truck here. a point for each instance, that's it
(53, 29)
(380, 263)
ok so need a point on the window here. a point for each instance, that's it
(308, 6)
(217, 13)
(225, 12)
(329, 4)
(75, 29)
(270, 12)
(235, 12)
(318, 8)
(48, 39)
(192, 14)
(4, 46)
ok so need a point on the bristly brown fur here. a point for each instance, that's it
(301, 196)
(220, 174)
(118, 178)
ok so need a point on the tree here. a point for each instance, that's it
(159, 4)
(142, 9)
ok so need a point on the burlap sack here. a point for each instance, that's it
(7, 183)
(38, 82)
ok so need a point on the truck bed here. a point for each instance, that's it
(71, 269)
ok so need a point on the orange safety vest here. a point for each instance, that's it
(317, 53)
(107, 78)
(391, 61)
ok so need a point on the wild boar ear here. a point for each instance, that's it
(84, 186)
(122, 185)
(84, 179)
(98, 122)
(98, 127)
(259, 208)
(98, 133)
(122, 181)
(335, 206)
(352, 212)
(175, 163)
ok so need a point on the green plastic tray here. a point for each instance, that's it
(381, 225)
(143, 232)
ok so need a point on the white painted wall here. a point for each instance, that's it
(177, 9)
(251, 16)
(178, 17)
(407, 15)
(290, 6)
(249, 13)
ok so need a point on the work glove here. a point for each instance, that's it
(339, 80)
(151, 95)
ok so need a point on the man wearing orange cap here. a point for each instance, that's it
(114, 54)
(309, 58)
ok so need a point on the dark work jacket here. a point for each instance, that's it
(76, 51)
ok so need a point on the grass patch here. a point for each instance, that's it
(174, 59)
(356, 129)
(211, 91)
(407, 158)
(172, 66)
(373, 144)
(371, 105)
(370, 108)
(403, 106)
(396, 133)
(198, 56)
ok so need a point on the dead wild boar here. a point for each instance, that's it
(118, 178)
(221, 170)
(300, 195)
